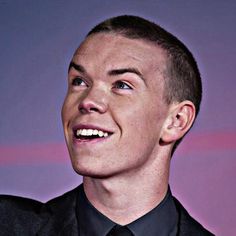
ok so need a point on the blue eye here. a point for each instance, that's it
(78, 82)
(121, 85)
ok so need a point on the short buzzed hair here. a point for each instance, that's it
(183, 80)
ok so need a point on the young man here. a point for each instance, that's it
(134, 91)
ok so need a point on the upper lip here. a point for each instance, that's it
(91, 126)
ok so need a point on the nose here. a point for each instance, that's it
(94, 100)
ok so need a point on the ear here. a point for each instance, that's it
(178, 122)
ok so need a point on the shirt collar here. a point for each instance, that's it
(162, 220)
(90, 220)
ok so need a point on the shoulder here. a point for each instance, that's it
(61, 213)
(24, 216)
(67, 199)
(19, 212)
(187, 225)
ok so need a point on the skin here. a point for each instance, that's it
(117, 84)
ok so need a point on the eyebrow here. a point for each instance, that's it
(126, 70)
(77, 67)
(114, 72)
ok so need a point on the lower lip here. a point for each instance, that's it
(89, 141)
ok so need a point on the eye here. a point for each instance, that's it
(121, 85)
(78, 82)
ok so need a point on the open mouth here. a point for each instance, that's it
(90, 134)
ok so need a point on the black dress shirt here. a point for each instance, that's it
(161, 221)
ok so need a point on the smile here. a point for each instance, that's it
(90, 134)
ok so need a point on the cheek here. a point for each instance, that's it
(64, 112)
(67, 109)
(147, 116)
(143, 126)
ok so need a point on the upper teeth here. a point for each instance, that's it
(90, 132)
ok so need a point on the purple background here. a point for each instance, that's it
(37, 40)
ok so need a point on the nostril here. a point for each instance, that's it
(88, 109)
(82, 110)
(93, 109)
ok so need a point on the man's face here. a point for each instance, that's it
(114, 110)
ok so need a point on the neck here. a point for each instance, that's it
(124, 199)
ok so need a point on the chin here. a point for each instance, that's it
(92, 174)
(88, 170)
(96, 172)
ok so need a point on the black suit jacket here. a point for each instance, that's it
(23, 217)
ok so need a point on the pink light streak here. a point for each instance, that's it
(57, 152)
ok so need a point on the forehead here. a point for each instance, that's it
(114, 50)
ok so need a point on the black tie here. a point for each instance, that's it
(118, 230)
